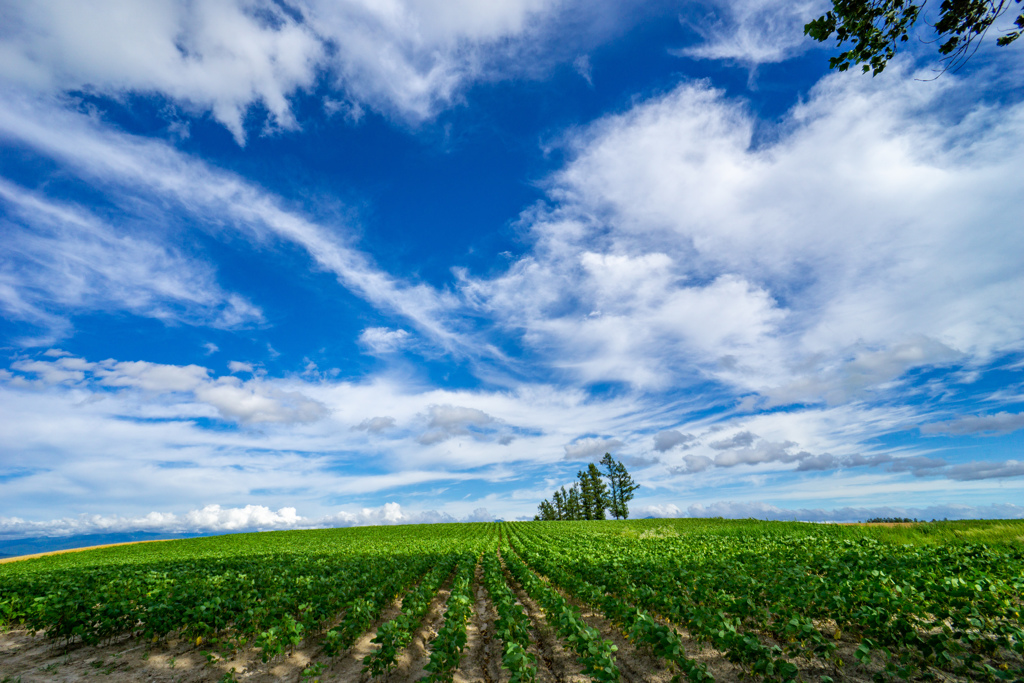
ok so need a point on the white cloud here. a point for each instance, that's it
(142, 449)
(973, 471)
(744, 448)
(148, 376)
(149, 175)
(450, 417)
(754, 31)
(1002, 422)
(669, 439)
(872, 232)
(60, 258)
(696, 463)
(376, 425)
(591, 447)
(407, 58)
(381, 340)
(258, 401)
(219, 57)
(759, 510)
(446, 421)
(738, 440)
(236, 366)
(253, 401)
(584, 68)
(412, 57)
(54, 372)
(217, 519)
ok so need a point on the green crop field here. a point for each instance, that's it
(659, 600)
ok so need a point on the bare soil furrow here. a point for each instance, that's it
(481, 661)
(416, 655)
(555, 663)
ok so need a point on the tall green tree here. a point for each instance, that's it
(585, 494)
(874, 29)
(558, 501)
(546, 512)
(573, 504)
(594, 492)
(621, 487)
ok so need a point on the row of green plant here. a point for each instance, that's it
(446, 648)
(596, 655)
(637, 624)
(393, 635)
(512, 626)
(771, 596)
(367, 608)
(759, 597)
(246, 596)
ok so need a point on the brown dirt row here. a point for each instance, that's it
(481, 660)
(555, 663)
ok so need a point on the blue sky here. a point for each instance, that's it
(278, 264)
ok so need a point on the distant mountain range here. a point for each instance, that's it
(43, 544)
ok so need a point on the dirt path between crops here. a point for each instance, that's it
(555, 663)
(481, 660)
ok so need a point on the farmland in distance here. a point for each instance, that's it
(644, 600)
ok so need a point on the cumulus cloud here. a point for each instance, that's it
(450, 417)
(256, 401)
(217, 519)
(739, 440)
(63, 370)
(236, 366)
(743, 448)
(155, 377)
(376, 425)
(446, 421)
(694, 463)
(747, 448)
(591, 447)
(683, 242)
(383, 340)
(414, 57)
(408, 58)
(973, 471)
(253, 401)
(997, 423)
(918, 465)
(669, 439)
(218, 57)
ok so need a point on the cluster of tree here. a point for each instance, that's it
(590, 497)
(893, 520)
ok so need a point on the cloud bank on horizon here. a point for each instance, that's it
(363, 263)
